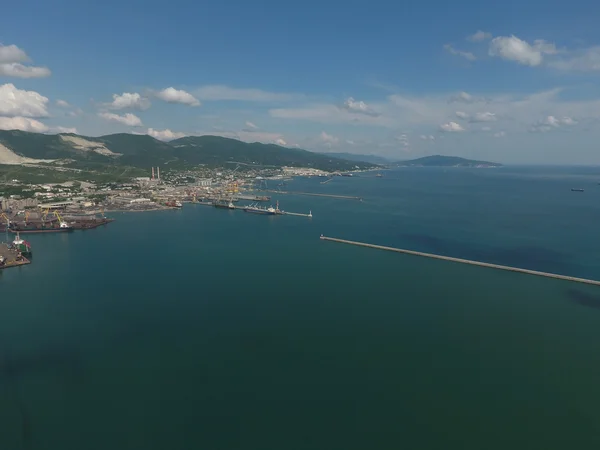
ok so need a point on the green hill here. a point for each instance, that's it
(144, 151)
(447, 161)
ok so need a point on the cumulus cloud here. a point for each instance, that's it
(12, 53)
(512, 48)
(128, 119)
(479, 36)
(11, 59)
(427, 138)
(451, 127)
(483, 117)
(17, 102)
(18, 70)
(164, 135)
(453, 51)
(549, 123)
(172, 95)
(129, 100)
(500, 134)
(222, 92)
(23, 124)
(359, 107)
(461, 114)
(62, 103)
(281, 142)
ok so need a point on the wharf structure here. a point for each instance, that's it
(11, 257)
(464, 261)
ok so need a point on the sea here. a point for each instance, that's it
(211, 329)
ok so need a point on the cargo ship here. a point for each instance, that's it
(223, 204)
(41, 228)
(174, 204)
(256, 209)
(22, 246)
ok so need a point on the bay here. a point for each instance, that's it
(215, 329)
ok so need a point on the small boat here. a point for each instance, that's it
(576, 190)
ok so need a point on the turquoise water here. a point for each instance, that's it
(215, 329)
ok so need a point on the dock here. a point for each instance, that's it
(465, 261)
(346, 197)
(11, 258)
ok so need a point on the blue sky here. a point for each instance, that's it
(516, 82)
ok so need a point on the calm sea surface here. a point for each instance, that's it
(214, 329)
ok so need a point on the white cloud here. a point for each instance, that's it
(11, 54)
(62, 103)
(280, 142)
(23, 124)
(328, 113)
(20, 71)
(451, 127)
(453, 51)
(500, 134)
(463, 97)
(586, 60)
(222, 92)
(349, 142)
(358, 107)
(479, 36)
(164, 135)
(329, 139)
(486, 129)
(172, 95)
(64, 130)
(131, 120)
(549, 123)
(11, 59)
(514, 49)
(131, 100)
(427, 138)
(16, 102)
(462, 114)
(483, 117)
(250, 127)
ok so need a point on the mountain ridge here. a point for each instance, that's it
(144, 151)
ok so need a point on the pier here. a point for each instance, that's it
(465, 261)
(10, 257)
(346, 197)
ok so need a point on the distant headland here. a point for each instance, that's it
(447, 161)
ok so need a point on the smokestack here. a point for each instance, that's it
(158, 169)
(153, 173)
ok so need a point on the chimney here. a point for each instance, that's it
(153, 173)
(158, 175)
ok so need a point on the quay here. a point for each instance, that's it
(9, 257)
(347, 197)
(465, 261)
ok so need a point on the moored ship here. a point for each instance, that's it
(223, 204)
(42, 227)
(22, 245)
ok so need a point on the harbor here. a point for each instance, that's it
(464, 261)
